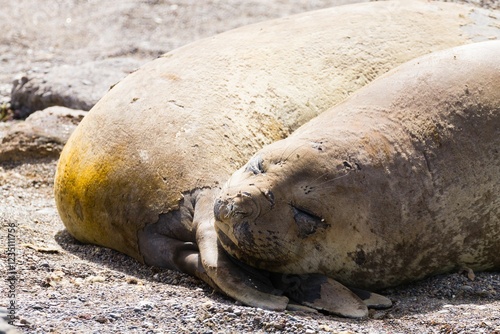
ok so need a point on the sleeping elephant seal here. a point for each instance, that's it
(139, 172)
(397, 183)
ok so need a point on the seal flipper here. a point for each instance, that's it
(159, 249)
(231, 279)
(322, 293)
(372, 300)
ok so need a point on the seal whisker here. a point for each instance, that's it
(328, 181)
(294, 150)
(284, 246)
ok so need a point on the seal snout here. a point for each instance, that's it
(220, 209)
(239, 206)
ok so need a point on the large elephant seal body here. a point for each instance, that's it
(137, 173)
(399, 182)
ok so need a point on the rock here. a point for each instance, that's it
(42, 134)
(95, 279)
(76, 87)
(101, 319)
(145, 305)
(115, 315)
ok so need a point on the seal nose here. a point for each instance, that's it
(240, 205)
(220, 209)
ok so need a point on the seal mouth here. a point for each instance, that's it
(228, 243)
(225, 234)
(246, 254)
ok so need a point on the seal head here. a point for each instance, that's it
(271, 224)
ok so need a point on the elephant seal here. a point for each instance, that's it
(397, 183)
(140, 172)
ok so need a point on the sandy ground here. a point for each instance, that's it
(63, 286)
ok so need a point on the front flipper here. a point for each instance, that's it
(231, 279)
(158, 248)
(321, 293)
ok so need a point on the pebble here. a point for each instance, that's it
(189, 317)
(146, 305)
(101, 319)
(466, 288)
(115, 315)
(95, 279)
(147, 324)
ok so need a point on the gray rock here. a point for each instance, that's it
(146, 305)
(115, 315)
(42, 134)
(75, 87)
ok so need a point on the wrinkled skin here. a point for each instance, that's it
(385, 188)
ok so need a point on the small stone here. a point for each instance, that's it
(132, 280)
(147, 324)
(466, 288)
(85, 316)
(483, 293)
(96, 279)
(78, 281)
(101, 319)
(189, 317)
(279, 326)
(115, 315)
(208, 305)
(146, 305)
(377, 314)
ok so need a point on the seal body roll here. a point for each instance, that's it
(397, 183)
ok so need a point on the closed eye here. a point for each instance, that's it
(255, 165)
(307, 222)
